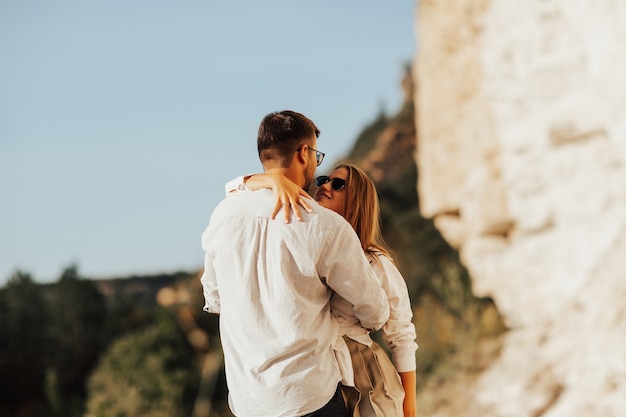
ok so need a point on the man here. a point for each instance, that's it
(271, 283)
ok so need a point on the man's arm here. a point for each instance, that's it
(209, 285)
(347, 272)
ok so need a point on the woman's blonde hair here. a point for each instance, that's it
(362, 209)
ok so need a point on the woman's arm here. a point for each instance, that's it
(408, 383)
(288, 194)
(399, 331)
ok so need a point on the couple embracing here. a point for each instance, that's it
(298, 299)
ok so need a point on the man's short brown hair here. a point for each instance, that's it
(280, 134)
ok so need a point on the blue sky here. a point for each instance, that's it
(120, 121)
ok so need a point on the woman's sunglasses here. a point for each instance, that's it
(336, 184)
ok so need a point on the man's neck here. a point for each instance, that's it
(290, 174)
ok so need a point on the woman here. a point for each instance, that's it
(381, 387)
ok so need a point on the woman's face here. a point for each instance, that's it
(329, 198)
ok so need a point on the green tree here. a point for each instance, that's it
(78, 313)
(23, 342)
(151, 372)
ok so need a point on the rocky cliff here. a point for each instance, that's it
(521, 153)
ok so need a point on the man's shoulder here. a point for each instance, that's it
(326, 216)
(249, 203)
(245, 198)
(330, 224)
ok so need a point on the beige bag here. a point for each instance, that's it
(378, 390)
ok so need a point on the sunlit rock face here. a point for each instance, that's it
(521, 121)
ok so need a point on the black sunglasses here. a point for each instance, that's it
(336, 184)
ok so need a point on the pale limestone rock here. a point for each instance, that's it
(452, 229)
(521, 110)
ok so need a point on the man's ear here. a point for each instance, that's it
(302, 154)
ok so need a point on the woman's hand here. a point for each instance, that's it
(289, 196)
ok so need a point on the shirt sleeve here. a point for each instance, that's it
(209, 286)
(236, 184)
(345, 268)
(399, 331)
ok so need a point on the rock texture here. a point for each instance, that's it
(387, 159)
(521, 129)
